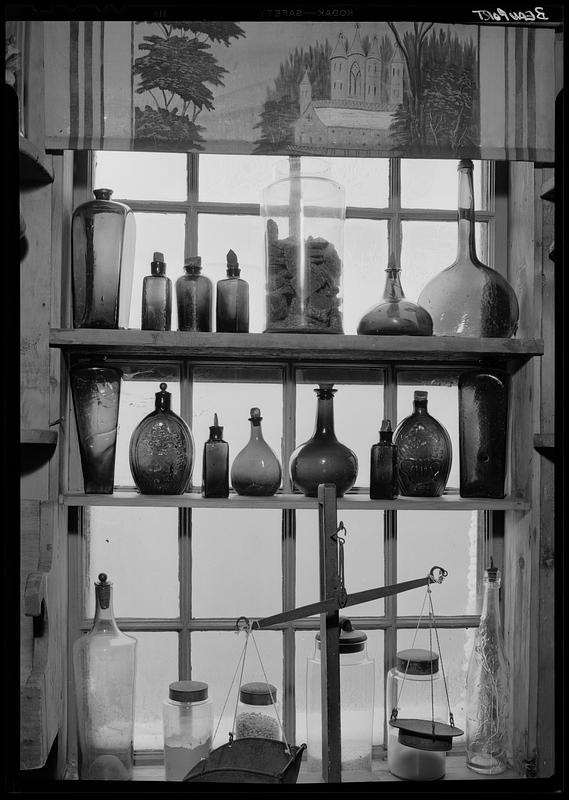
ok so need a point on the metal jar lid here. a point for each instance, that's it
(188, 691)
(351, 640)
(417, 662)
(258, 694)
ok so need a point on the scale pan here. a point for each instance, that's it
(423, 734)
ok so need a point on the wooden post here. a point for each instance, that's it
(329, 637)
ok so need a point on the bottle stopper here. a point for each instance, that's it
(232, 264)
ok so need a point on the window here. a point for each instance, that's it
(167, 564)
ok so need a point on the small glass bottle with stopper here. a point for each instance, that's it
(215, 474)
(157, 297)
(194, 298)
(383, 480)
(256, 470)
(232, 302)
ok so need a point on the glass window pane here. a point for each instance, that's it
(137, 548)
(216, 656)
(141, 176)
(156, 668)
(438, 538)
(365, 180)
(433, 183)
(236, 565)
(217, 234)
(365, 260)
(235, 179)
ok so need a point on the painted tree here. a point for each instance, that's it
(411, 47)
(386, 51)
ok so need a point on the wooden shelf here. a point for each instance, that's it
(544, 443)
(34, 166)
(38, 436)
(548, 190)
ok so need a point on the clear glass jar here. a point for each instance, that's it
(357, 686)
(187, 717)
(257, 715)
(303, 213)
(408, 691)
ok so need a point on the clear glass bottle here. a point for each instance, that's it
(383, 478)
(357, 687)
(157, 297)
(232, 300)
(395, 315)
(103, 234)
(303, 212)
(487, 687)
(323, 459)
(424, 452)
(104, 664)
(161, 450)
(469, 298)
(215, 473)
(187, 719)
(256, 470)
(258, 712)
(415, 691)
(194, 296)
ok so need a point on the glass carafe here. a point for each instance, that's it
(395, 315)
(256, 470)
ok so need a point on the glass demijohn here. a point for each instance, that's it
(215, 472)
(157, 297)
(395, 315)
(194, 296)
(232, 300)
(187, 719)
(256, 470)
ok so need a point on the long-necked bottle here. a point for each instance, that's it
(487, 687)
(395, 315)
(232, 300)
(383, 476)
(104, 665)
(469, 298)
(157, 297)
(194, 296)
(215, 473)
(256, 470)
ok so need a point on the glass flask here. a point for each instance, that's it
(215, 472)
(161, 450)
(323, 459)
(187, 719)
(258, 712)
(395, 315)
(303, 213)
(415, 690)
(357, 686)
(383, 481)
(232, 300)
(104, 664)
(157, 297)
(256, 470)
(103, 240)
(487, 687)
(96, 394)
(424, 452)
(483, 429)
(469, 298)
(194, 295)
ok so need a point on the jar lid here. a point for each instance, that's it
(188, 691)
(351, 640)
(258, 694)
(417, 662)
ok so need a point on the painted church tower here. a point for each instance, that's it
(356, 67)
(305, 92)
(396, 70)
(373, 74)
(338, 70)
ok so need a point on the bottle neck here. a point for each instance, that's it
(420, 406)
(325, 416)
(393, 292)
(490, 616)
(466, 230)
(256, 431)
(104, 621)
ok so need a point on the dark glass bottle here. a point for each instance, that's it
(424, 452)
(483, 428)
(383, 480)
(161, 450)
(395, 315)
(232, 301)
(194, 298)
(157, 297)
(323, 459)
(469, 298)
(256, 470)
(215, 474)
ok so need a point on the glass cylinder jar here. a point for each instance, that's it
(415, 691)
(258, 712)
(187, 718)
(357, 686)
(303, 213)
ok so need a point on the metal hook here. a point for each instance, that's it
(245, 624)
(437, 578)
(335, 537)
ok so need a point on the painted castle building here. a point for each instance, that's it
(361, 105)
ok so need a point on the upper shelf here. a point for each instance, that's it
(34, 167)
(278, 347)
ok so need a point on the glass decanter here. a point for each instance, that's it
(256, 470)
(395, 315)
(156, 297)
(323, 459)
(161, 450)
(424, 452)
(232, 300)
(104, 664)
(487, 687)
(469, 298)
(194, 297)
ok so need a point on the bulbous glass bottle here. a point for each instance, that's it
(256, 470)
(395, 315)
(469, 298)
(161, 450)
(424, 452)
(323, 459)
(104, 665)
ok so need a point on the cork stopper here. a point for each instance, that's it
(193, 265)
(103, 590)
(163, 398)
(386, 431)
(232, 265)
(255, 416)
(102, 194)
(216, 430)
(158, 265)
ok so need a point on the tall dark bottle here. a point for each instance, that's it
(383, 481)
(156, 297)
(215, 473)
(232, 300)
(194, 298)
